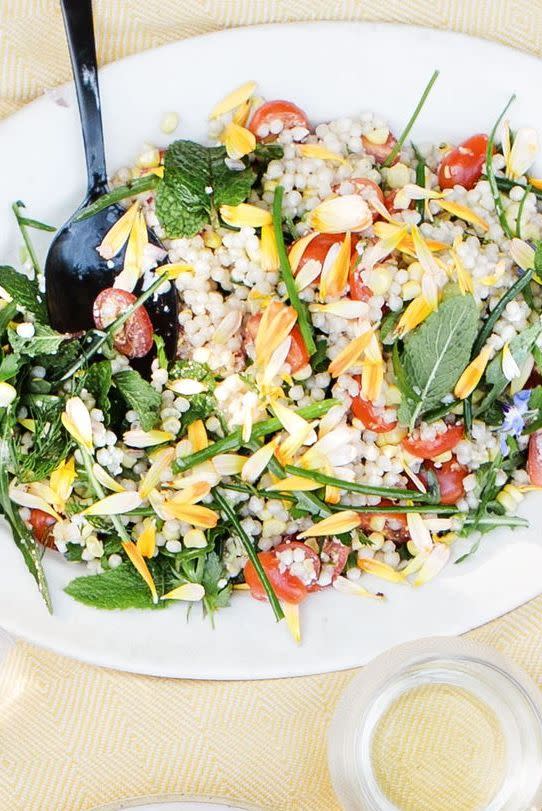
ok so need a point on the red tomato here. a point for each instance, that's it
(134, 339)
(337, 554)
(450, 477)
(42, 528)
(365, 188)
(358, 290)
(399, 534)
(428, 449)
(462, 166)
(534, 459)
(290, 114)
(297, 357)
(372, 419)
(287, 586)
(380, 152)
(318, 248)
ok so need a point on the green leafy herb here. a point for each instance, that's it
(319, 360)
(505, 184)
(268, 152)
(7, 314)
(404, 135)
(216, 596)
(201, 405)
(9, 367)
(196, 183)
(420, 180)
(118, 588)
(160, 351)
(140, 396)
(45, 341)
(98, 382)
(131, 189)
(435, 355)
(23, 223)
(299, 306)
(520, 210)
(24, 292)
(499, 208)
(388, 325)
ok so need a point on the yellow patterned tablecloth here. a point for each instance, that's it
(74, 736)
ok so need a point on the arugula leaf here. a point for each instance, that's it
(118, 588)
(437, 352)
(24, 292)
(45, 341)
(213, 572)
(196, 183)
(139, 396)
(98, 382)
(520, 348)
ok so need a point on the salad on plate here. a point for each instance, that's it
(358, 384)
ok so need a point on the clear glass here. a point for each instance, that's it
(494, 680)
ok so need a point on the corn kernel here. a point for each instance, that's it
(195, 539)
(393, 437)
(377, 523)
(443, 457)
(379, 279)
(510, 497)
(392, 396)
(170, 122)
(149, 158)
(410, 290)
(398, 176)
(270, 185)
(211, 239)
(378, 136)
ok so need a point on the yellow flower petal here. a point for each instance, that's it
(238, 140)
(291, 618)
(76, 421)
(139, 564)
(257, 463)
(62, 480)
(353, 587)
(319, 151)
(334, 276)
(291, 483)
(339, 214)
(133, 258)
(245, 215)
(115, 504)
(229, 464)
(153, 476)
(106, 480)
(269, 255)
(116, 237)
(193, 514)
(146, 439)
(234, 99)
(276, 324)
(308, 274)
(30, 425)
(193, 492)
(344, 308)
(146, 542)
(416, 312)
(351, 354)
(174, 270)
(25, 499)
(298, 249)
(522, 254)
(380, 569)
(509, 366)
(372, 377)
(197, 436)
(498, 273)
(464, 278)
(435, 562)
(419, 532)
(374, 254)
(335, 524)
(535, 182)
(523, 152)
(463, 213)
(472, 374)
(8, 393)
(189, 592)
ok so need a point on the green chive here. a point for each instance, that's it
(404, 135)
(353, 487)
(133, 187)
(520, 210)
(491, 175)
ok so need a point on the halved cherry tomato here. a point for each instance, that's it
(42, 528)
(134, 339)
(286, 111)
(399, 534)
(462, 166)
(380, 152)
(370, 416)
(287, 586)
(364, 187)
(534, 459)
(318, 248)
(297, 357)
(358, 290)
(450, 477)
(429, 448)
(338, 555)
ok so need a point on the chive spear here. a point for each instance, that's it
(406, 132)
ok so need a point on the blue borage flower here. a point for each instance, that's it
(514, 418)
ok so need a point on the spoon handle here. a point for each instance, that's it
(80, 35)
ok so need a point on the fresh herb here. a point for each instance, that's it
(265, 153)
(98, 382)
(24, 292)
(45, 341)
(118, 588)
(228, 513)
(420, 180)
(233, 441)
(197, 181)
(320, 361)
(305, 326)
(140, 396)
(9, 367)
(354, 487)
(24, 223)
(505, 184)
(399, 509)
(434, 356)
(217, 595)
(7, 314)
(51, 443)
(499, 208)
(131, 189)
(404, 135)
(520, 210)
(387, 327)
(160, 351)
(202, 405)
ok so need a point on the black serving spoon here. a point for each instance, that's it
(74, 271)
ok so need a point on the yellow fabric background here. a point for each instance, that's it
(73, 736)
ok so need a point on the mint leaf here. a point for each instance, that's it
(45, 341)
(437, 352)
(196, 183)
(118, 588)
(201, 405)
(7, 314)
(520, 347)
(214, 571)
(9, 367)
(24, 292)
(98, 381)
(139, 396)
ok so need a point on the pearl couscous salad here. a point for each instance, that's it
(358, 381)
